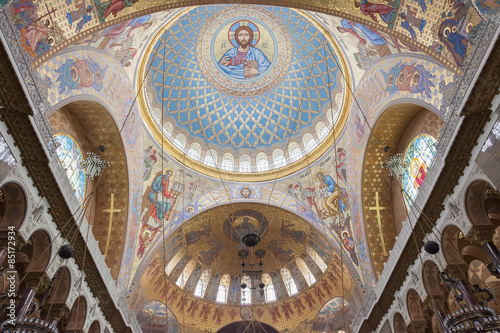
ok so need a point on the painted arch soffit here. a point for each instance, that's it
(414, 23)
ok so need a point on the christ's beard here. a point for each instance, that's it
(243, 44)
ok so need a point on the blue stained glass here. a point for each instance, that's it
(70, 155)
(419, 155)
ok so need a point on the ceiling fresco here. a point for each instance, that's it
(209, 239)
(427, 25)
(210, 101)
(304, 73)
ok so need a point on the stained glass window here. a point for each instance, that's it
(419, 155)
(70, 156)
(290, 285)
(202, 285)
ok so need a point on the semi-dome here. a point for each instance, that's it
(245, 90)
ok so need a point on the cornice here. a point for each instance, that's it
(476, 114)
(14, 112)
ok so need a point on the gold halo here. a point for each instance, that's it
(316, 174)
(171, 169)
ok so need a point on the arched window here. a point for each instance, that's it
(70, 156)
(279, 161)
(227, 162)
(173, 262)
(310, 144)
(180, 141)
(321, 129)
(186, 272)
(418, 155)
(246, 293)
(194, 151)
(209, 160)
(317, 259)
(222, 292)
(294, 151)
(269, 293)
(290, 285)
(245, 166)
(262, 162)
(211, 157)
(201, 287)
(168, 128)
(306, 272)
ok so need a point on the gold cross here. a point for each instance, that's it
(378, 209)
(111, 210)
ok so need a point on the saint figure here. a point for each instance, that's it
(370, 9)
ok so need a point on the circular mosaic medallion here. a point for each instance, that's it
(246, 313)
(244, 51)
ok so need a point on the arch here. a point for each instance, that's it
(308, 142)
(449, 242)
(211, 156)
(269, 293)
(186, 273)
(395, 127)
(262, 162)
(321, 129)
(62, 286)
(13, 206)
(399, 323)
(294, 151)
(306, 272)
(316, 257)
(168, 128)
(41, 251)
(95, 327)
(475, 203)
(415, 307)
(78, 315)
(245, 163)
(92, 122)
(288, 281)
(248, 326)
(430, 277)
(227, 162)
(173, 262)
(223, 288)
(202, 284)
(195, 150)
(180, 140)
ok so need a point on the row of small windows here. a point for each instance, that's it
(262, 162)
(227, 286)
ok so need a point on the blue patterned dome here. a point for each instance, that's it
(204, 92)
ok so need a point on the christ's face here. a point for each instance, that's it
(243, 38)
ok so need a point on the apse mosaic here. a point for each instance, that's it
(418, 155)
(251, 78)
(70, 155)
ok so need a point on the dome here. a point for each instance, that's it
(238, 107)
